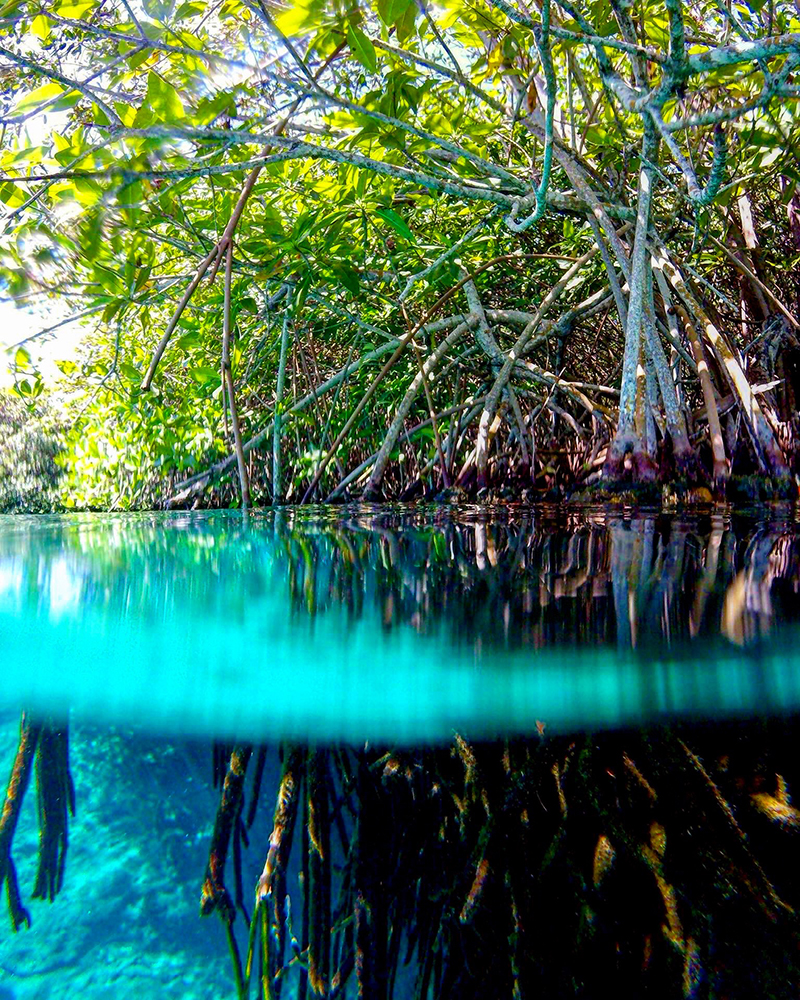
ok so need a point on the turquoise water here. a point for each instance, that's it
(125, 925)
(536, 635)
(398, 624)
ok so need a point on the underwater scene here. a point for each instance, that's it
(393, 751)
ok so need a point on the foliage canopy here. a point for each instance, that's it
(391, 246)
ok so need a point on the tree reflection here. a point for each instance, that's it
(657, 862)
(488, 577)
(534, 580)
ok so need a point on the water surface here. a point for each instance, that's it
(400, 623)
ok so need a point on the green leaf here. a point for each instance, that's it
(248, 305)
(391, 11)
(86, 191)
(393, 140)
(161, 103)
(130, 196)
(188, 10)
(40, 26)
(92, 235)
(75, 10)
(362, 48)
(12, 195)
(348, 278)
(136, 61)
(130, 372)
(144, 274)
(405, 24)
(64, 99)
(299, 16)
(190, 339)
(112, 308)
(127, 114)
(38, 96)
(159, 9)
(22, 358)
(204, 374)
(210, 108)
(396, 222)
(302, 292)
(272, 223)
(67, 100)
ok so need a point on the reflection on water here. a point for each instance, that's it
(402, 622)
(563, 857)
(535, 581)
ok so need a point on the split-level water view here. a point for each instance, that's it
(399, 482)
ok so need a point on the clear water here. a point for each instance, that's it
(396, 624)
(157, 634)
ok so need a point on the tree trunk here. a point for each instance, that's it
(626, 438)
(767, 450)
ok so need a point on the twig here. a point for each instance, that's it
(244, 484)
(276, 427)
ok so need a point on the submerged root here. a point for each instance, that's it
(17, 786)
(42, 747)
(491, 878)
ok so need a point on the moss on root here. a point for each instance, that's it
(760, 489)
(621, 492)
(682, 493)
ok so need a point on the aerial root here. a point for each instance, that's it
(474, 860)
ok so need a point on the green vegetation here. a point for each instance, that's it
(388, 248)
(30, 449)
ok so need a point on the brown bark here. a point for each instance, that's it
(319, 872)
(721, 469)
(214, 895)
(244, 482)
(766, 447)
(17, 786)
(56, 796)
